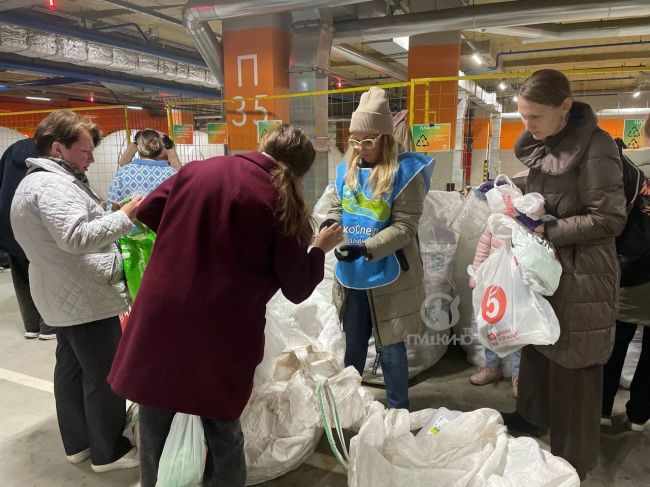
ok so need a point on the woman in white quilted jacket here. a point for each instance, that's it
(76, 281)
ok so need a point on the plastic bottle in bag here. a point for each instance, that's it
(438, 422)
(471, 219)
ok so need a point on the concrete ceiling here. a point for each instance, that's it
(159, 25)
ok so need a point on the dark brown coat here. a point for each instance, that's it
(578, 171)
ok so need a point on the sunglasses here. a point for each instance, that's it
(364, 144)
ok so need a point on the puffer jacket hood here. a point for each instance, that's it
(75, 267)
(560, 154)
(12, 171)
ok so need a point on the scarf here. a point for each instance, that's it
(71, 169)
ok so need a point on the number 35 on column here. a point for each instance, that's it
(241, 111)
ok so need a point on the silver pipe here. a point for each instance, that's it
(210, 48)
(197, 13)
(528, 32)
(361, 58)
(486, 15)
(144, 11)
(548, 36)
(230, 9)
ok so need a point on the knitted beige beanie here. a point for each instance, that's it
(372, 116)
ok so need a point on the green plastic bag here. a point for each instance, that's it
(136, 252)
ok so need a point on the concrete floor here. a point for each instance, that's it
(32, 454)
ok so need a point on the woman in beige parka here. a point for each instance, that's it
(379, 289)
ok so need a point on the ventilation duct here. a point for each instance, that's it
(485, 15)
(197, 13)
(358, 57)
(61, 48)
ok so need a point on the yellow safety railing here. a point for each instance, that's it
(411, 85)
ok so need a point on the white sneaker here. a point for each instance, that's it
(639, 428)
(130, 460)
(47, 336)
(605, 421)
(31, 334)
(82, 456)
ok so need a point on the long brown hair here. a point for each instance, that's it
(546, 87)
(294, 153)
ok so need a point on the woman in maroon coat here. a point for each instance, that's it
(231, 231)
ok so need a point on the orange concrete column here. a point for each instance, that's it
(434, 55)
(256, 61)
(429, 61)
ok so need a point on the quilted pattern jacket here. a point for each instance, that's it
(75, 267)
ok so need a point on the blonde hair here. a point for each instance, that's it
(382, 174)
(646, 127)
(294, 153)
(63, 126)
(150, 144)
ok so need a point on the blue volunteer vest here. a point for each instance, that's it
(364, 217)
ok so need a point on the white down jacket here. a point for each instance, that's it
(75, 269)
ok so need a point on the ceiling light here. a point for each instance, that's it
(636, 94)
(402, 42)
(477, 58)
(624, 111)
(510, 115)
(502, 86)
(133, 107)
(37, 98)
(514, 98)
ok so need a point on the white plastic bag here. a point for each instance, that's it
(531, 205)
(632, 358)
(509, 314)
(183, 457)
(539, 264)
(470, 219)
(501, 198)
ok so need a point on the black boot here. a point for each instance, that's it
(517, 424)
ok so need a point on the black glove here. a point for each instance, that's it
(327, 223)
(167, 142)
(350, 253)
(136, 137)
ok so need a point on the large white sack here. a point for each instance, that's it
(281, 422)
(275, 341)
(632, 358)
(472, 450)
(466, 326)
